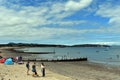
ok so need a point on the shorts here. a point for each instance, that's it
(33, 70)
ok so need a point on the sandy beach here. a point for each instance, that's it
(18, 72)
(62, 71)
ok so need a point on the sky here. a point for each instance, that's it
(60, 21)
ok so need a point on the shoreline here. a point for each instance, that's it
(12, 50)
(76, 70)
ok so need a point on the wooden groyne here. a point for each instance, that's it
(56, 60)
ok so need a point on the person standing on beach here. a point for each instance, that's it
(17, 59)
(20, 58)
(34, 70)
(43, 69)
(28, 67)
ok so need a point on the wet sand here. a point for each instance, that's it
(85, 70)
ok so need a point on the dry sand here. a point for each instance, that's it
(18, 72)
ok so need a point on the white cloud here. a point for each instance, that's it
(23, 21)
(77, 5)
(112, 13)
(34, 16)
(31, 23)
(21, 32)
(11, 17)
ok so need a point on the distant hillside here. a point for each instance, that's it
(49, 45)
(90, 45)
(30, 45)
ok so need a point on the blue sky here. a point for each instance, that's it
(60, 21)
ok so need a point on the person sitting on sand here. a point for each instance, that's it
(43, 69)
(28, 67)
(34, 70)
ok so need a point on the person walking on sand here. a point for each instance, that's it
(34, 70)
(28, 67)
(43, 69)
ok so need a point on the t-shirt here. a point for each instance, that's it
(42, 66)
(33, 68)
(27, 65)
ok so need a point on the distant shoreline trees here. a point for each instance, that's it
(11, 44)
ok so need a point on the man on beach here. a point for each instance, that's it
(43, 69)
(28, 67)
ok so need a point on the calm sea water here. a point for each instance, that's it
(105, 55)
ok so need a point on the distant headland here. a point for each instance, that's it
(11, 44)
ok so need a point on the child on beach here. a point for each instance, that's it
(28, 67)
(34, 70)
(43, 69)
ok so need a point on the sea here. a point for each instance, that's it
(103, 55)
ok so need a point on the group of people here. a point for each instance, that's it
(19, 60)
(42, 66)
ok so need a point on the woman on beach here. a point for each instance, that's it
(28, 67)
(34, 69)
(43, 69)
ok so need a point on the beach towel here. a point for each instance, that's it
(21, 62)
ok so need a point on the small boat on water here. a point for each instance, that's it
(107, 48)
(97, 51)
